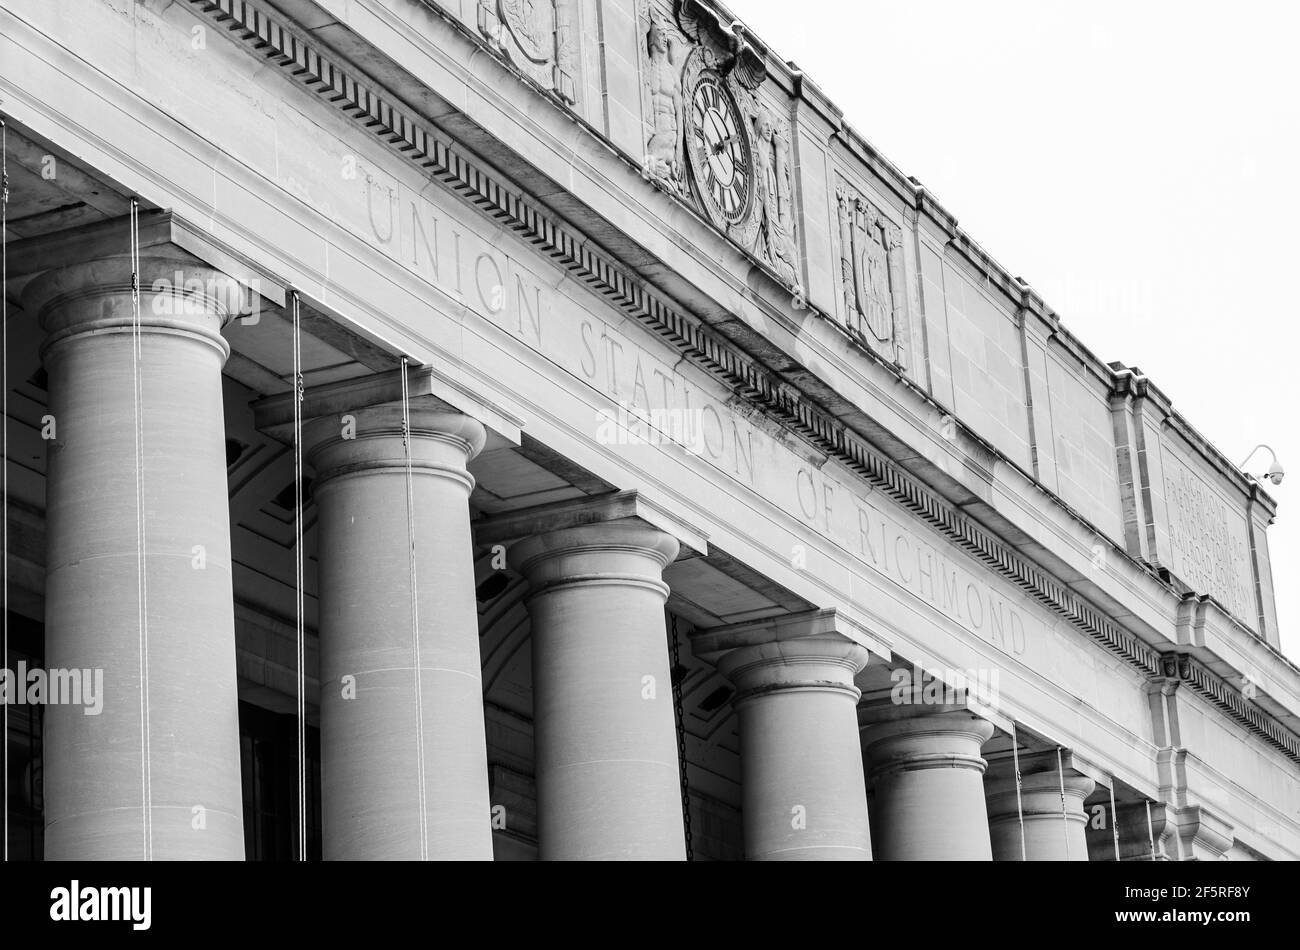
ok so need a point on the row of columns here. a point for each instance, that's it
(138, 468)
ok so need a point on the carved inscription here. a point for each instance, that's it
(1208, 541)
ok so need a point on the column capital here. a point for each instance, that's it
(1045, 760)
(624, 508)
(617, 553)
(178, 295)
(790, 629)
(442, 443)
(1040, 793)
(911, 738)
(426, 386)
(810, 650)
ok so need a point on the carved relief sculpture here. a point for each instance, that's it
(844, 204)
(663, 161)
(871, 274)
(775, 192)
(566, 43)
(528, 21)
(711, 139)
(538, 36)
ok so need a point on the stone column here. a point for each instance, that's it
(925, 765)
(802, 784)
(608, 785)
(155, 774)
(403, 746)
(1052, 831)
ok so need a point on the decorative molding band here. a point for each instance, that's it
(1183, 668)
(774, 397)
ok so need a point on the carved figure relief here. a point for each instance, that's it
(663, 162)
(775, 191)
(538, 36)
(871, 273)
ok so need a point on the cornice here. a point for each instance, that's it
(1182, 668)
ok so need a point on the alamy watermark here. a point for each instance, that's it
(631, 425)
(179, 295)
(915, 687)
(78, 902)
(22, 686)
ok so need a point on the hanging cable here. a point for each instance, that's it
(1065, 819)
(1020, 811)
(1151, 835)
(300, 631)
(679, 714)
(1114, 817)
(4, 421)
(415, 612)
(142, 583)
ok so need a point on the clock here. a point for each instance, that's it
(718, 149)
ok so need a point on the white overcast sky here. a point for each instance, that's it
(1137, 162)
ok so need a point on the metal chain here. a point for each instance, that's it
(681, 738)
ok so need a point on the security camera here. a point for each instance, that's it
(1275, 472)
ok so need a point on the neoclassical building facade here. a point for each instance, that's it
(547, 429)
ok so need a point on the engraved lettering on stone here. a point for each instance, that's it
(1209, 556)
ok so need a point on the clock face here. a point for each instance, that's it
(719, 149)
